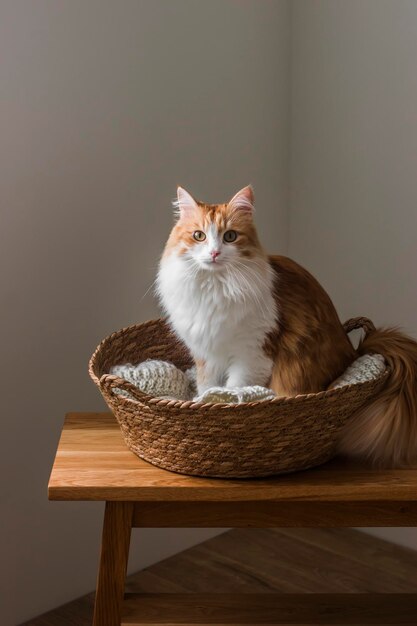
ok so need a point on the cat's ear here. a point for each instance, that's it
(243, 201)
(185, 203)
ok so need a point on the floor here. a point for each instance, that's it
(268, 560)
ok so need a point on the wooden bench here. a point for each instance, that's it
(93, 463)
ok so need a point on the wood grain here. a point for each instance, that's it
(269, 514)
(113, 563)
(268, 561)
(288, 561)
(93, 463)
(268, 609)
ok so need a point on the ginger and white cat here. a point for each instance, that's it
(249, 318)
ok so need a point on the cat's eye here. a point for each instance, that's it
(199, 235)
(230, 236)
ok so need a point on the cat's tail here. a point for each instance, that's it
(385, 431)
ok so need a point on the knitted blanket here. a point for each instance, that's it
(164, 380)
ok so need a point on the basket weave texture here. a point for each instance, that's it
(249, 440)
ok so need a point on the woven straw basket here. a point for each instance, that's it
(252, 439)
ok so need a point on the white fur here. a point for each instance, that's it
(222, 311)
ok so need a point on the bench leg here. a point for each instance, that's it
(113, 563)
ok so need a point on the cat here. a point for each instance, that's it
(253, 319)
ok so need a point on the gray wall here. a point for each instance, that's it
(353, 217)
(104, 108)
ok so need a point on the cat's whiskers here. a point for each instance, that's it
(256, 276)
(212, 279)
(254, 284)
(249, 263)
(252, 290)
(220, 301)
(192, 269)
(238, 279)
(151, 286)
(234, 287)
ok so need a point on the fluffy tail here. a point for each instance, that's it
(385, 431)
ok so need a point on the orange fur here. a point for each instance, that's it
(181, 236)
(385, 431)
(310, 349)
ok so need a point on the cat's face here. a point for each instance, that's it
(213, 236)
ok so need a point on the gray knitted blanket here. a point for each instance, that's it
(164, 380)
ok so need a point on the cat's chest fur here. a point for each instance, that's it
(216, 313)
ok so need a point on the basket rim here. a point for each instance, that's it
(190, 404)
(108, 382)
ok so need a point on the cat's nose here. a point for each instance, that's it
(214, 254)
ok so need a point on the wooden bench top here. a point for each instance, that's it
(93, 463)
